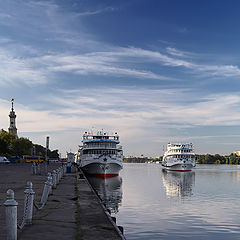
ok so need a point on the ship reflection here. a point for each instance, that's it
(178, 184)
(109, 190)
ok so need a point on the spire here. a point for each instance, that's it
(12, 100)
(12, 128)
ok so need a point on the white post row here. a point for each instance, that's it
(46, 190)
(28, 203)
(50, 178)
(54, 176)
(11, 215)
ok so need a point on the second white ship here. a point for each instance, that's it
(179, 157)
(100, 154)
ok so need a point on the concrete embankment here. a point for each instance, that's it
(73, 210)
(95, 222)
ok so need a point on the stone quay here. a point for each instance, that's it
(72, 211)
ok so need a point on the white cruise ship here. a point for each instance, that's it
(179, 157)
(100, 154)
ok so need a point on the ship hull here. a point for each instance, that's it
(102, 170)
(179, 167)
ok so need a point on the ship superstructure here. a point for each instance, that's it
(179, 157)
(100, 154)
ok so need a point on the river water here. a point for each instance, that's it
(151, 203)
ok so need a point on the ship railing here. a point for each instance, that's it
(101, 147)
(100, 154)
(104, 137)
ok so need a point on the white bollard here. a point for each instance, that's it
(51, 181)
(34, 168)
(28, 203)
(58, 175)
(57, 179)
(11, 215)
(54, 176)
(46, 190)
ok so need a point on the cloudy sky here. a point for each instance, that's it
(154, 71)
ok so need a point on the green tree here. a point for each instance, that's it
(39, 150)
(3, 147)
(21, 146)
(53, 154)
(6, 140)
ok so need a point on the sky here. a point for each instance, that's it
(153, 71)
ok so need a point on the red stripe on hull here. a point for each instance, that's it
(104, 176)
(179, 170)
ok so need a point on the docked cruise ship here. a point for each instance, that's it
(179, 157)
(100, 154)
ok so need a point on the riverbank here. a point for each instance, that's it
(73, 211)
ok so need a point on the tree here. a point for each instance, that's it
(53, 154)
(21, 146)
(3, 147)
(10, 145)
(39, 150)
(6, 140)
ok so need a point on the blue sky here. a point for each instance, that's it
(154, 71)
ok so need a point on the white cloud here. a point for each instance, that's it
(175, 52)
(95, 63)
(153, 107)
(16, 70)
(22, 63)
(99, 11)
(142, 117)
(179, 53)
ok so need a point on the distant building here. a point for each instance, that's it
(70, 157)
(12, 128)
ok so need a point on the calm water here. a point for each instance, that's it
(154, 204)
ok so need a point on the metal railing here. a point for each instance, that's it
(29, 202)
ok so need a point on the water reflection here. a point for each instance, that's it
(178, 184)
(109, 190)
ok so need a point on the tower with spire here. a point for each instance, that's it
(12, 128)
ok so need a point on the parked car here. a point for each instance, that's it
(15, 159)
(4, 160)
